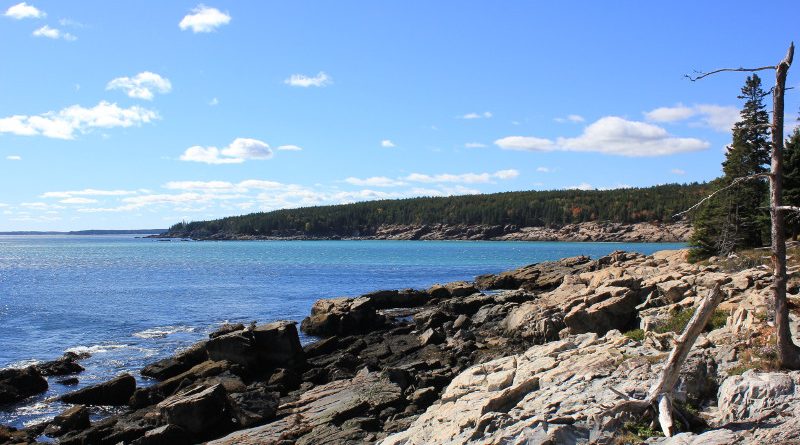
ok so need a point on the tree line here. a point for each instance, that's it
(522, 209)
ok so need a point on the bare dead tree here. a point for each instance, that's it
(788, 352)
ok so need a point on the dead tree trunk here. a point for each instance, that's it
(788, 352)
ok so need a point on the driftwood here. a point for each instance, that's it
(659, 398)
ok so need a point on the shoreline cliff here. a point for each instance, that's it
(580, 232)
(531, 355)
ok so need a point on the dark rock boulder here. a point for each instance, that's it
(272, 345)
(236, 347)
(253, 406)
(180, 362)
(201, 411)
(75, 418)
(164, 435)
(226, 328)
(63, 366)
(342, 316)
(153, 394)
(116, 391)
(17, 384)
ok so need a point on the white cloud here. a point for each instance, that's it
(261, 184)
(484, 115)
(506, 174)
(240, 150)
(581, 186)
(289, 148)
(718, 117)
(576, 118)
(142, 85)
(213, 102)
(53, 33)
(24, 11)
(78, 201)
(199, 185)
(87, 192)
(677, 171)
(375, 181)
(474, 145)
(66, 122)
(14, 157)
(543, 169)
(524, 143)
(301, 80)
(386, 143)
(611, 135)
(204, 19)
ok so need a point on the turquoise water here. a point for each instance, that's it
(130, 301)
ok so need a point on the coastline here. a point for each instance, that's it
(424, 366)
(645, 232)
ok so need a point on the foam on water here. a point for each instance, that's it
(160, 332)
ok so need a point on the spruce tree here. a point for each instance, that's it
(737, 218)
(791, 181)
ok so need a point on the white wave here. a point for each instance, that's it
(162, 331)
(22, 364)
(95, 349)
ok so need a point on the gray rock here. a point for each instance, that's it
(17, 384)
(73, 419)
(199, 410)
(116, 391)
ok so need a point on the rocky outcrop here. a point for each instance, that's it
(17, 384)
(116, 391)
(542, 276)
(180, 362)
(270, 346)
(67, 364)
(75, 418)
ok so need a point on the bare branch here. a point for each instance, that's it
(733, 183)
(748, 70)
(788, 209)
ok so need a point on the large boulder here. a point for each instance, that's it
(200, 411)
(17, 384)
(116, 391)
(153, 394)
(273, 345)
(180, 362)
(753, 395)
(542, 276)
(342, 316)
(75, 418)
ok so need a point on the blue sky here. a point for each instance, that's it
(141, 114)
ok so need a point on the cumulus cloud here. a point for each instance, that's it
(375, 181)
(301, 80)
(240, 150)
(141, 86)
(53, 33)
(543, 169)
(204, 19)
(65, 123)
(677, 171)
(581, 186)
(289, 148)
(718, 117)
(14, 157)
(611, 135)
(576, 118)
(386, 143)
(484, 115)
(24, 11)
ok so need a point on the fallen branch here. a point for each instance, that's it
(659, 397)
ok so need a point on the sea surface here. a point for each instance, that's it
(130, 301)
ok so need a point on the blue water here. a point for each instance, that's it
(131, 301)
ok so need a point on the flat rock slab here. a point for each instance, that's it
(116, 391)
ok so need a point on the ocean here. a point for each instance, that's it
(130, 301)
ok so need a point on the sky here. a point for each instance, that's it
(123, 115)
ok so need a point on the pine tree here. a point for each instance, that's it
(791, 181)
(737, 218)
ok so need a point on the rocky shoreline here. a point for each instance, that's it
(588, 231)
(529, 356)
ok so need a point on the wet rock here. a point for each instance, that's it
(70, 381)
(116, 391)
(62, 366)
(17, 384)
(73, 419)
(226, 328)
